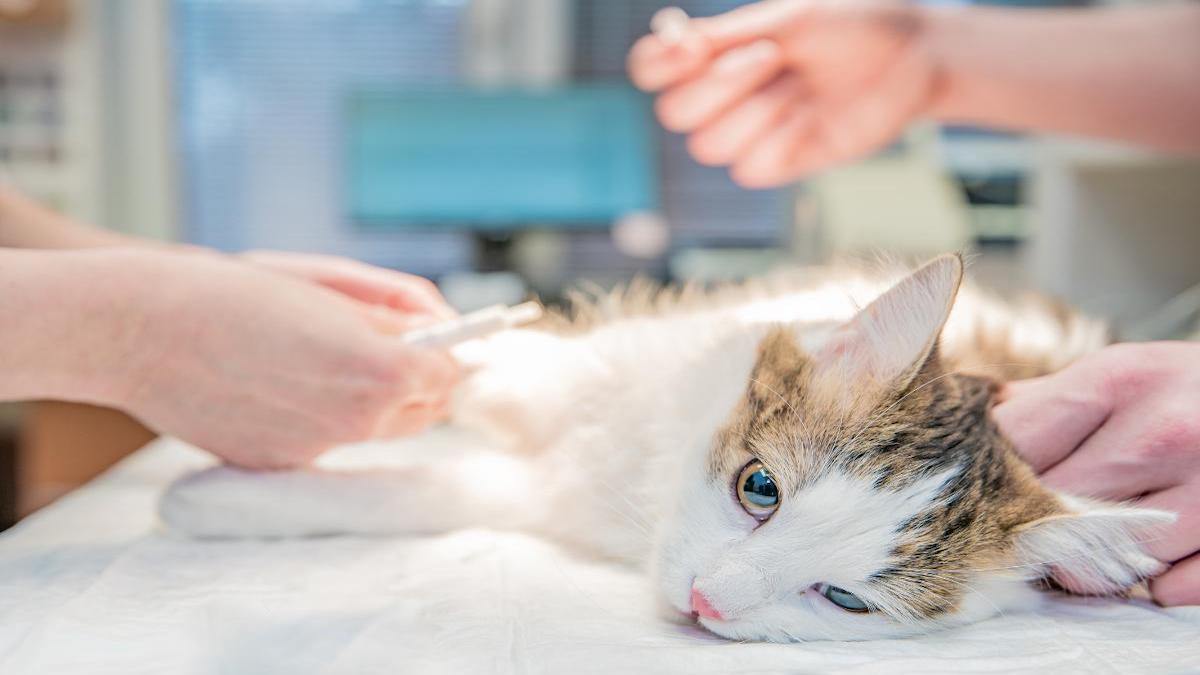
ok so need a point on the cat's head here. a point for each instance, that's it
(861, 491)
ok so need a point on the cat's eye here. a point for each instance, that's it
(757, 491)
(843, 598)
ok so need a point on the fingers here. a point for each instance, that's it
(1112, 463)
(770, 160)
(388, 288)
(654, 64)
(422, 401)
(1180, 585)
(832, 132)
(877, 115)
(409, 293)
(1048, 417)
(773, 134)
(428, 375)
(732, 133)
(1183, 538)
(751, 22)
(357, 280)
(865, 85)
(732, 77)
(390, 322)
(418, 380)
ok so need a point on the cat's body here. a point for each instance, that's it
(629, 434)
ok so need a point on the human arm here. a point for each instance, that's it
(1122, 424)
(26, 224)
(1126, 74)
(778, 90)
(260, 369)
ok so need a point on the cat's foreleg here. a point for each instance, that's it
(523, 387)
(226, 502)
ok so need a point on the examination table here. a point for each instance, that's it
(93, 584)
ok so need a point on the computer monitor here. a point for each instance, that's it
(496, 160)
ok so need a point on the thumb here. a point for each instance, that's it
(427, 373)
(749, 23)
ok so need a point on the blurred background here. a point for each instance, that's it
(496, 147)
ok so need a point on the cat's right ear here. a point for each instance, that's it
(891, 338)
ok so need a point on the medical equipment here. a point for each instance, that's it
(474, 325)
(499, 160)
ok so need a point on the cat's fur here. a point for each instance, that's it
(622, 433)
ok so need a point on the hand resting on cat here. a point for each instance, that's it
(1123, 423)
(796, 459)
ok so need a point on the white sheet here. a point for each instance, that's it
(93, 585)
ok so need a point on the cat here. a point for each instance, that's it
(783, 465)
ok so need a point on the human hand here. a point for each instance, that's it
(416, 299)
(777, 90)
(397, 302)
(1120, 424)
(263, 370)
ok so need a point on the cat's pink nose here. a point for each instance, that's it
(700, 606)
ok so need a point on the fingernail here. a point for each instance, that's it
(670, 24)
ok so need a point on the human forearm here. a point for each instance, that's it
(65, 324)
(1122, 74)
(26, 224)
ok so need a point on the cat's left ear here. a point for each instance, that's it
(892, 338)
(1096, 548)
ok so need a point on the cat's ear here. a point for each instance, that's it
(891, 338)
(1096, 549)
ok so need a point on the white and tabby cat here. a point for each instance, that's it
(785, 467)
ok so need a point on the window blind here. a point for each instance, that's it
(261, 86)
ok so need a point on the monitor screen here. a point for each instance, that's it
(576, 156)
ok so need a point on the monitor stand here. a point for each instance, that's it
(493, 251)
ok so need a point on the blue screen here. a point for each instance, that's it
(492, 159)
